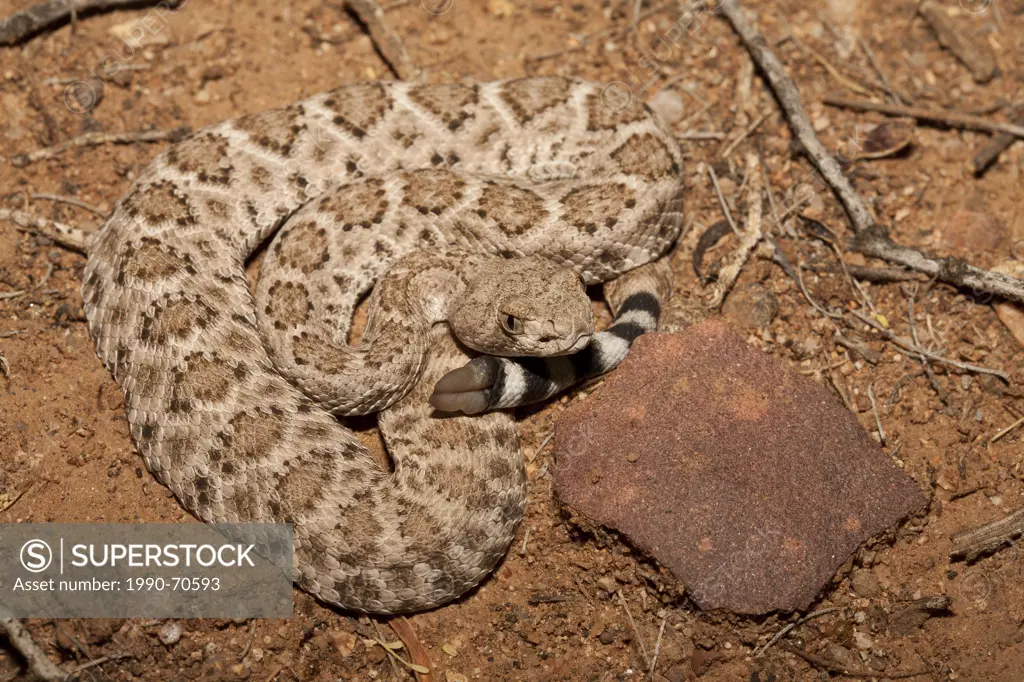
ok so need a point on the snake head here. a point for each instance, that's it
(523, 306)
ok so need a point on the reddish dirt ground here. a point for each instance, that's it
(550, 612)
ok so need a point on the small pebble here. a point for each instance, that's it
(864, 584)
(863, 641)
(169, 633)
(669, 105)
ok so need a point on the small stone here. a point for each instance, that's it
(534, 636)
(865, 584)
(499, 8)
(607, 637)
(141, 32)
(452, 676)
(202, 97)
(751, 307)
(821, 123)
(607, 583)
(669, 106)
(344, 642)
(947, 480)
(376, 654)
(700, 661)
(676, 673)
(169, 633)
(99, 631)
(843, 656)
(863, 641)
(633, 457)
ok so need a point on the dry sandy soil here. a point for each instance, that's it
(547, 613)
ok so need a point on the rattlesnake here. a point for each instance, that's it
(362, 177)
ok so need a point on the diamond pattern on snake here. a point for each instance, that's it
(475, 211)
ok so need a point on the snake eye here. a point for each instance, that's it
(511, 324)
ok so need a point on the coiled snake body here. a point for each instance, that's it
(361, 177)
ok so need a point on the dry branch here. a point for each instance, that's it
(831, 666)
(69, 237)
(95, 139)
(869, 238)
(972, 543)
(974, 53)
(384, 37)
(953, 119)
(749, 239)
(21, 25)
(38, 664)
(987, 155)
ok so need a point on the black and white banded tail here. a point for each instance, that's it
(493, 383)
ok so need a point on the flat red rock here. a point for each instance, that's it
(747, 480)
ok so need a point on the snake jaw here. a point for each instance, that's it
(467, 389)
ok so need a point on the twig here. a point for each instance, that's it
(722, 201)
(657, 647)
(5, 370)
(819, 662)
(909, 348)
(972, 543)
(380, 640)
(878, 420)
(987, 155)
(69, 200)
(883, 80)
(384, 37)
(69, 237)
(954, 119)
(94, 139)
(526, 539)
(632, 625)
(17, 27)
(248, 642)
(417, 652)
(862, 349)
(750, 238)
(782, 633)
(390, 650)
(1005, 431)
(38, 664)
(834, 72)
(71, 675)
(8, 295)
(869, 238)
(869, 274)
(744, 135)
(789, 98)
